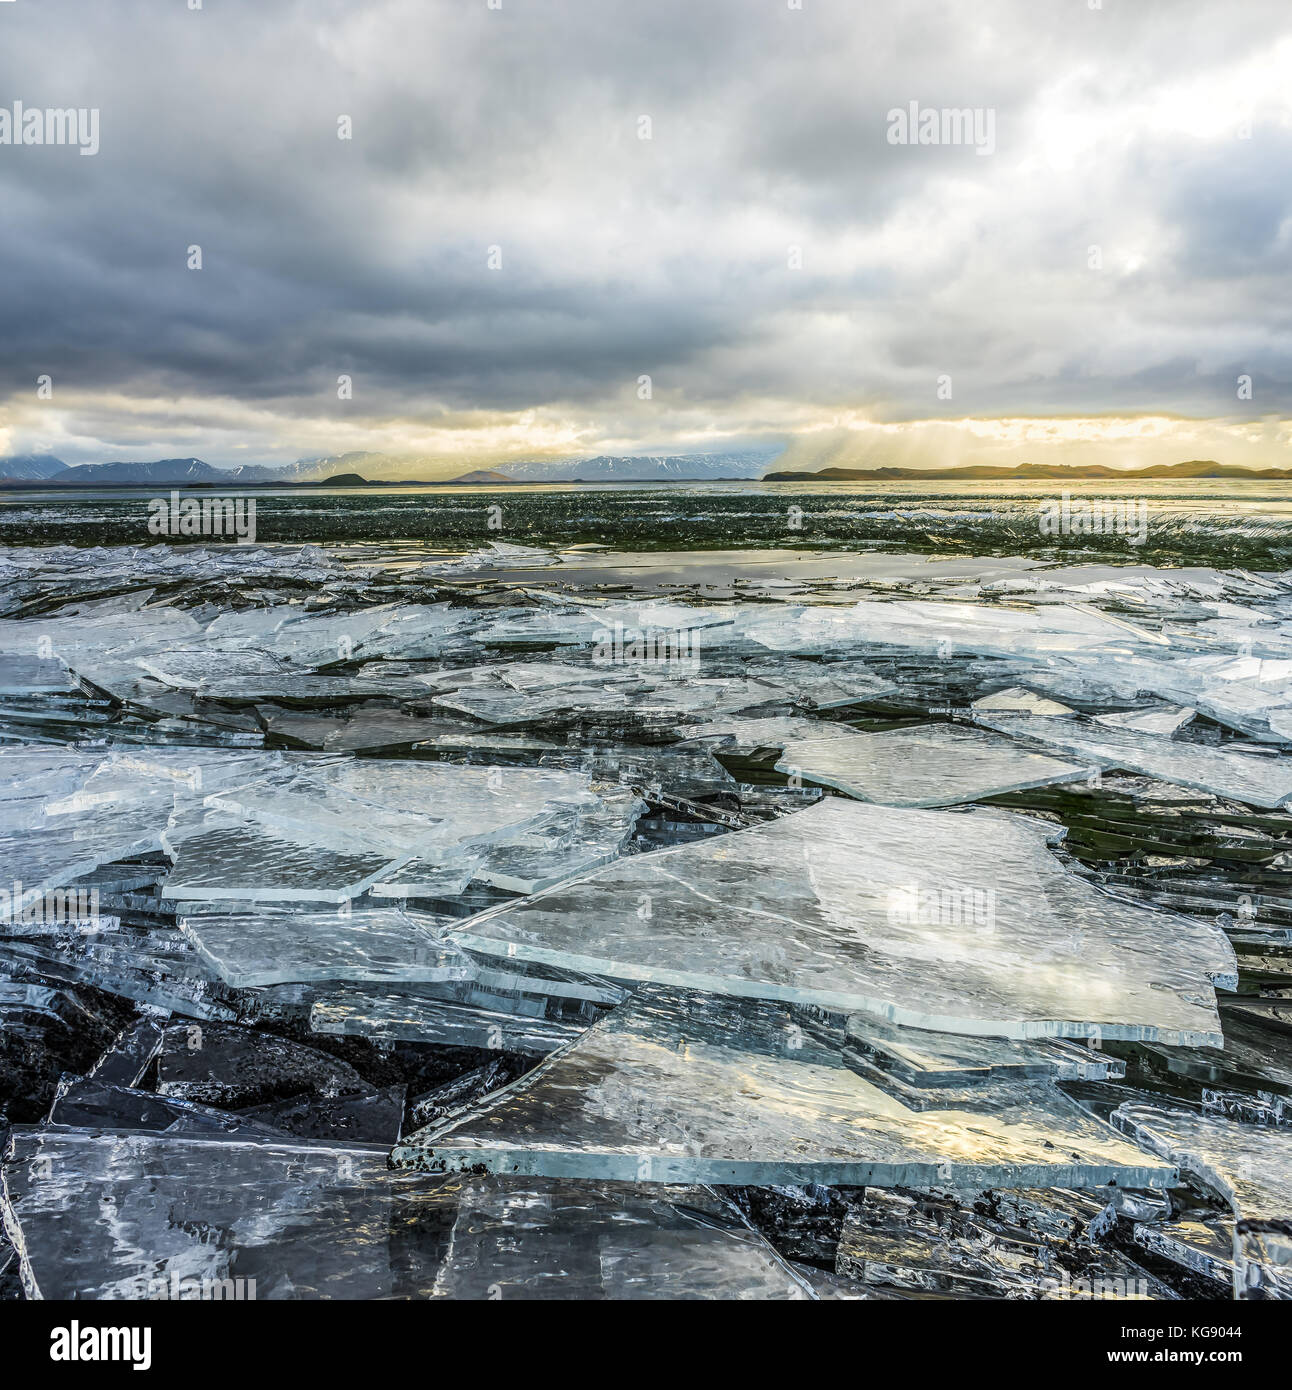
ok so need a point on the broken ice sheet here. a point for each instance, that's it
(1256, 779)
(135, 1216)
(366, 729)
(189, 668)
(235, 1067)
(929, 765)
(269, 947)
(773, 731)
(155, 967)
(419, 879)
(25, 674)
(955, 922)
(1249, 1165)
(677, 1087)
(644, 699)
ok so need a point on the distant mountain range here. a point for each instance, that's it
(1194, 468)
(360, 469)
(45, 468)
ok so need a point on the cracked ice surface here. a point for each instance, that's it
(964, 924)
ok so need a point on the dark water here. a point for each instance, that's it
(1211, 522)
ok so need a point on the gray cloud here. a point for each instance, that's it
(519, 128)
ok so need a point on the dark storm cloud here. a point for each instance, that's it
(518, 128)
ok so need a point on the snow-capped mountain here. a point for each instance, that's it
(31, 467)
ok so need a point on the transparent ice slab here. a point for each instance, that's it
(1158, 719)
(135, 1216)
(943, 1059)
(156, 967)
(1255, 779)
(305, 689)
(930, 765)
(1018, 700)
(28, 674)
(51, 855)
(947, 629)
(188, 668)
(365, 729)
(568, 845)
(1205, 1248)
(420, 879)
(642, 700)
(254, 862)
(772, 731)
(269, 947)
(402, 809)
(823, 684)
(90, 1104)
(678, 1087)
(678, 769)
(453, 1015)
(954, 922)
(1249, 1165)
(236, 1067)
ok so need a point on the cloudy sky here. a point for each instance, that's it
(496, 258)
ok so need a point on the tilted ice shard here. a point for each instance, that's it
(1018, 700)
(929, 1244)
(943, 1059)
(97, 1215)
(1249, 1165)
(678, 1087)
(1157, 719)
(773, 731)
(823, 684)
(962, 923)
(948, 628)
(400, 807)
(267, 947)
(256, 862)
(454, 1014)
(28, 674)
(563, 846)
(1203, 1248)
(930, 765)
(1254, 778)
(83, 1103)
(188, 668)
